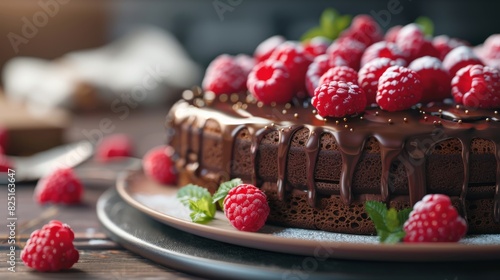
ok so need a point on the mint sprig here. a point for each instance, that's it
(426, 24)
(388, 222)
(199, 201)
(331, 24)
(223, 189)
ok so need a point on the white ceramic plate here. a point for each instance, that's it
(160, 203)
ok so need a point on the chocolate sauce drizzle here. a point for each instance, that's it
(407, 136)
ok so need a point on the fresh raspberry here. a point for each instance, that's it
(61, 186)
(340, 74)
(315, 70)
(364, 29)
(317, 46)
(270, 82)
(338, 99)
(392, 33)
(411, 40)
(458, 58)
(5, 164)
(246, 207)
(112, 147)
(3, 139)
(50, 248)
(399, 88)
(246, 63)
(266, 48)
(444, 44)
(435, 79)
(477, 86)
(434, 219)
(369, 74)
(491, 47)
(224, 75)
(382, 49)
(296, 60)
(346, 50)
(159, 166)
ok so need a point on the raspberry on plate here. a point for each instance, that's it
(270, 82)
(112, 147)
(369, 74)
(339, 74)
(296, 60)
(246, 207)
(399, 88)
(159, 166)
(477, 86)
(382, 49)
(5, 163)
(264, 50)
(50, 248)
(434, 219)
(339, 99)
(224, 75)
(435, 79)
(3, 139)
(458, 58)
(317, 46)
(61, 186)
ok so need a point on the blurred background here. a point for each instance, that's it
(238, 25)
(78, 57)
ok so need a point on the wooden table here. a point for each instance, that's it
(100, 257)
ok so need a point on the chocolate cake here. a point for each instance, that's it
(318, 172)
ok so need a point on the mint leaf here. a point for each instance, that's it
(388, 222)
(223, 189)
(342, 23)
(394, 237)
(392, 220)
(311, 33)
(192, 192)
(203, 210)
(327, 22)
(377, 211)
(331, 24)
(426, 24)
(403, 215)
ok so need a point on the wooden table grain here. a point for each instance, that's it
(100, 257)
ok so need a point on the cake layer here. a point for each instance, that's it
(318, 172)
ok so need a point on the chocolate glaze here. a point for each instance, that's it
(407, 136)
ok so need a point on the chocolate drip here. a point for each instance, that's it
(496, 206)
(406, 136)
(465, 159)
(285, 139)
(256, 138)
(387, 157)
(312, 150)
